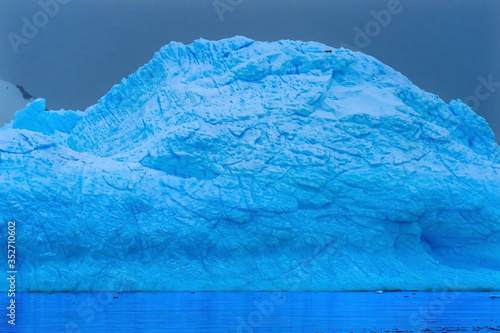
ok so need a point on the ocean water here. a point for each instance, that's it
(255, 312)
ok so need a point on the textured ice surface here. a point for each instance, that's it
(242, 165)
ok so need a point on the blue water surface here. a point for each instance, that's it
(255, 312)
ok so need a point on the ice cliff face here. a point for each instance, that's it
(242, 165)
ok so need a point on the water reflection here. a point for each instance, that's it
(254, 312)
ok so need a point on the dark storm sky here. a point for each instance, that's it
(443, 46)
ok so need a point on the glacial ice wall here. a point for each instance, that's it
(244, 165)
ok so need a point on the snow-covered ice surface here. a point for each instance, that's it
(12, 99)
(244, 165)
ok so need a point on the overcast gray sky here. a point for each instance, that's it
(447, 47)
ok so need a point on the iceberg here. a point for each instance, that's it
(246, 165)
